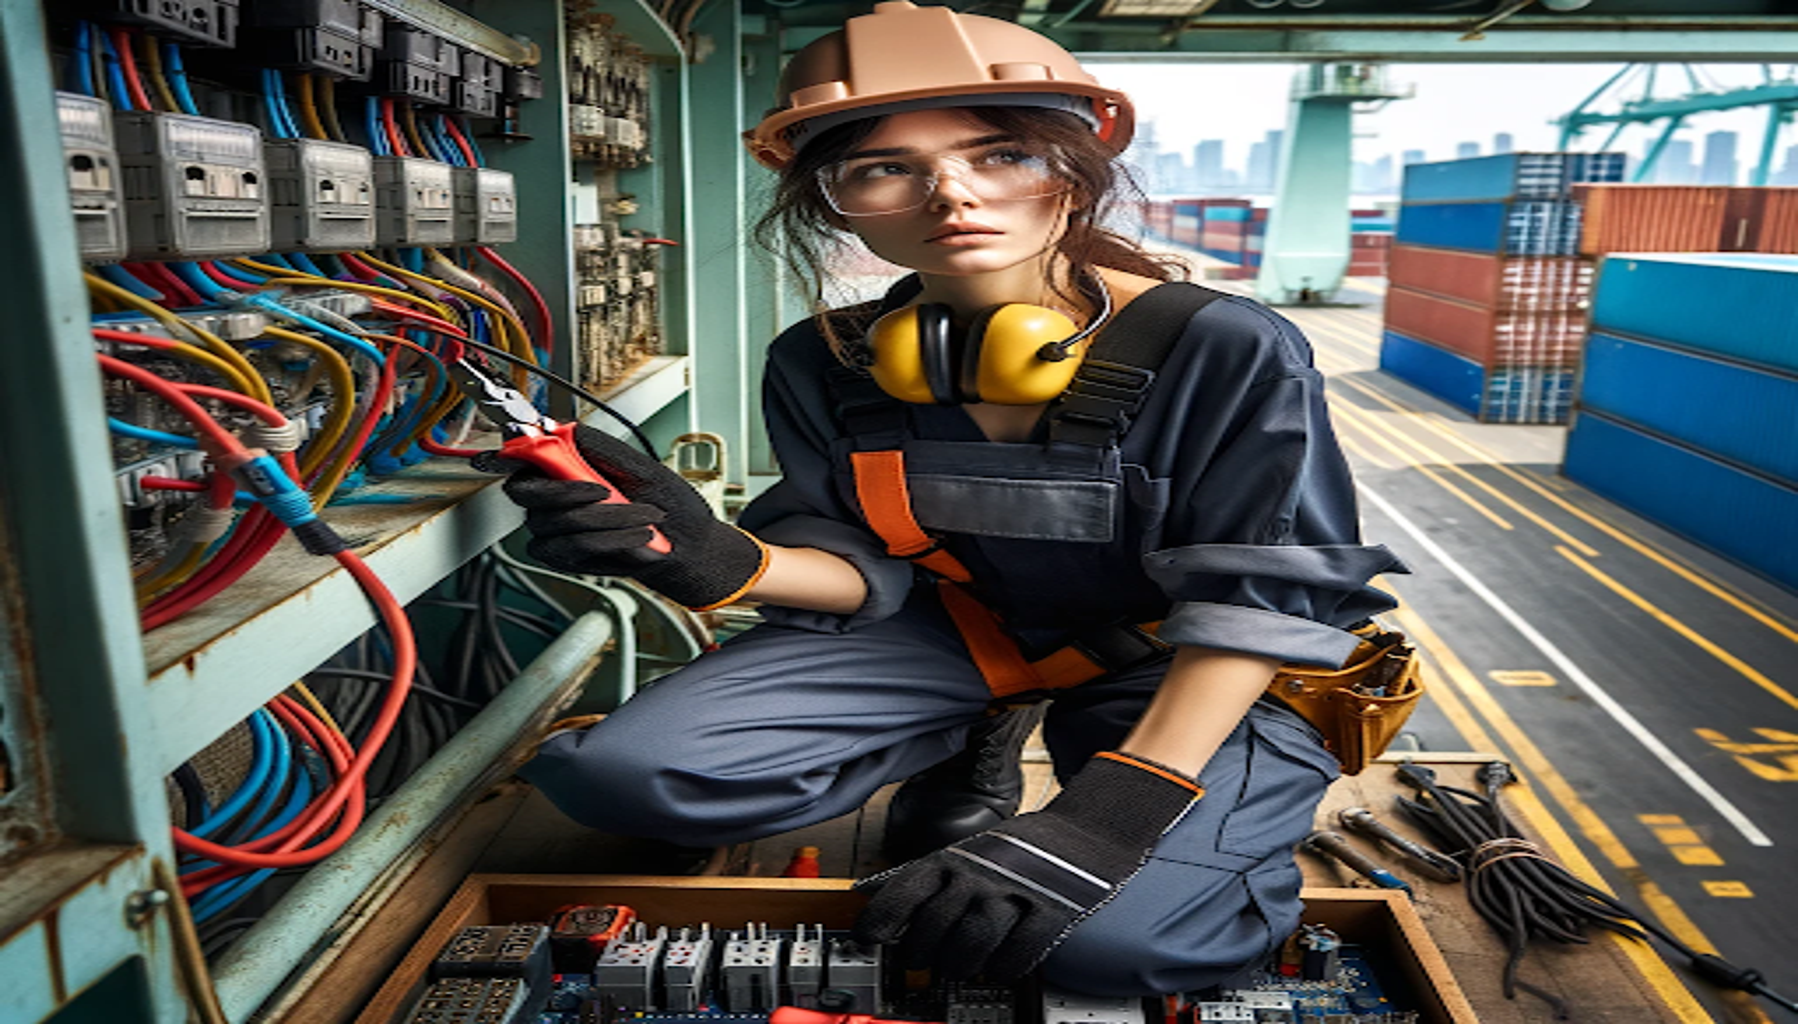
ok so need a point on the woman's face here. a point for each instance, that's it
(965, 225)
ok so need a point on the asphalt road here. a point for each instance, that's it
(1647, 686)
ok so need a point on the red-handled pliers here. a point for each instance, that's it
(535, 438)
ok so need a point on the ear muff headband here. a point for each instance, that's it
(973, 351)
(936, 351)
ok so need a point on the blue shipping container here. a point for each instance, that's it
(1505, 176)
(1227, 213)
(1740, 515)
(1527, 394)
(1452, 378)
(1523, 228)
(1743, 305)
(1739, 414)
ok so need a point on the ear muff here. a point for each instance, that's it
(912, 357)
(1003, 363)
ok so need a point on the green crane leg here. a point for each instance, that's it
(1654, 152)
(1777, 115)
(1306, 250)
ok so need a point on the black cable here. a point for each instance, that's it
(368, 675)
(193, 794)
(1523, 895)
(568, 386)
(523, 620)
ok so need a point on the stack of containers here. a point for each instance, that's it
(1186, 224)
(1688, 408)
(1687, 218)
(1487, 295)
(1370, 242)
(1225, 230)
(1254, 239)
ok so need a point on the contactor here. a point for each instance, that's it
(486, 206)
(94, 178)
(194, 186)
(414, 201)
(322, 195)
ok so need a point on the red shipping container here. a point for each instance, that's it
(1655, 218)
(1502, 283)
(1489, 337)
(1226, 243)
(1371, 239)
(1779, 221)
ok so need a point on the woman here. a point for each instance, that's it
(1213, 501)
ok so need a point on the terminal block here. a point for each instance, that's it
(94, 177)
(970, 1003)
(207, 22)
(627, 973)
(854, 969)
(749, 970)
(486, 206)
(805, 967)
(414, 201)
(321, 195)
(686, 969)
(472, 1001)
(338, 37)
(194, 186)
(497, 951)
(1060, 1007)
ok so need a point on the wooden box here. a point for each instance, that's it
(1383, 921)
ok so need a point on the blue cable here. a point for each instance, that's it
(196, 279)
(127, 280)
(252, 280)
(176, 73)
(328, 331)
(440, 147)
(371, 123)
(304, 264)
(115, 74)
(338, 272)
(277, 128)
(81, 62)
(262, 762)
(467, 126)
(223, 895)
(278, 260)
(413, 259)
(272, 789)
(124, 429)
(282, 106)
(452, 155)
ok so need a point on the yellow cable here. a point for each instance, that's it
(167, 574)
(309, 109)
(246, 379)
(296, 278)
(304, 693)
(343, 398)
(152, 61)
(508, 321)
(409, 121)
(327, 103)
(190, 957)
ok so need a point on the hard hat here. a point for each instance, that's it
(905, 57)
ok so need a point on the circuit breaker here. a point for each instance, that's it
(194, 186)
(321, 195)
(94, 178)
(486, 206)
(414, 201)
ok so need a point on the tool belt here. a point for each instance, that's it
(1357, 708)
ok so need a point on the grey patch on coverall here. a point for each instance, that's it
(1238, 529)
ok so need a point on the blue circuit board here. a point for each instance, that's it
(1351, 996)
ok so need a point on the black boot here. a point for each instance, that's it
(965, 795)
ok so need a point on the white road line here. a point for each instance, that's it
(1630, 723)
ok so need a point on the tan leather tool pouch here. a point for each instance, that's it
(1360, 707)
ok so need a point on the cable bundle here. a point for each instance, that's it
(1524, 895)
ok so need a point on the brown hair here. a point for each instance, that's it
(797, 226)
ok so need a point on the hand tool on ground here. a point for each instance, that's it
(1438, 866)
(533, 437)
(1329, 844)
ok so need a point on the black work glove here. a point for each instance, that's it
(710, 562)
(995, 904)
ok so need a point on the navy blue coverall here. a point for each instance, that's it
(1226, 511)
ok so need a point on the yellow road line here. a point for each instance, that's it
(1708, 646)
(1439, 458)
(1670, 914)
(1406, 459)
(1693, 576)
(1354, 446)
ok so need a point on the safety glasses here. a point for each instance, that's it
(875, 185)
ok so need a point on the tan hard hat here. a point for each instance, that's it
(903, 53)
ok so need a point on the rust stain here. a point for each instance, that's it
(191, 663)
(59, 990)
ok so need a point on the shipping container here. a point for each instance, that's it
(1507, 176)
(1740, 305)
(1779, 221)
(1227, 213)
(1741, 515)
(1455, 379)
(1652, 218)
(1371, 240)
(1524, 228)
(1485, 335)
(1738, 413)
(1527, 394)
(1500, 282)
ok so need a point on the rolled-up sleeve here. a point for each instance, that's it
(1263, 553)
(804, 509)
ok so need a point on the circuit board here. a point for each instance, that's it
(1351, 994)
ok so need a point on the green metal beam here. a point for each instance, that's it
(1124, 43)
(1685, 106)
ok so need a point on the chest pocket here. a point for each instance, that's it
(1015, 491)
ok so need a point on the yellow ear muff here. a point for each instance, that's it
(1003, 364)
(915, 355)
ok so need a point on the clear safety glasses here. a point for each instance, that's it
(874, 185)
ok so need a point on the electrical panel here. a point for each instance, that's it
(415, 201)
(321, 195)
(94, 177)
(418, 65)
(339, 37)
(208, 22)
(194, 186)
(486, 206)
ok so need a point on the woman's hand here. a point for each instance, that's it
(710, 562)
(996, 904)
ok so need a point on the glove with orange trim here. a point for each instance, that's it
(710, 562)
(997, 903)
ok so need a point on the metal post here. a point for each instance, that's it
(1777, 115)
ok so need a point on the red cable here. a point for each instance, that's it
(221, 438)
(548, 339)
(405, 662)
(262, 411)
(441, 326)
(165, 281)
(461, 142)
(146, 340)
(359, 268)
(121, 41)
(383, 391)
(210, 269)
(391, 129)
(433, 448)
(169, 483)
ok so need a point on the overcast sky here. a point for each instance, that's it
(1455, 102)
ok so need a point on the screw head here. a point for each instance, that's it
(143, 904)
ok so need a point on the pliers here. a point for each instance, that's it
(535, 438)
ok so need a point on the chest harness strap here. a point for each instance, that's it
(1107, 392)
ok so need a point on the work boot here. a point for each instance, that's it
(965, 795)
